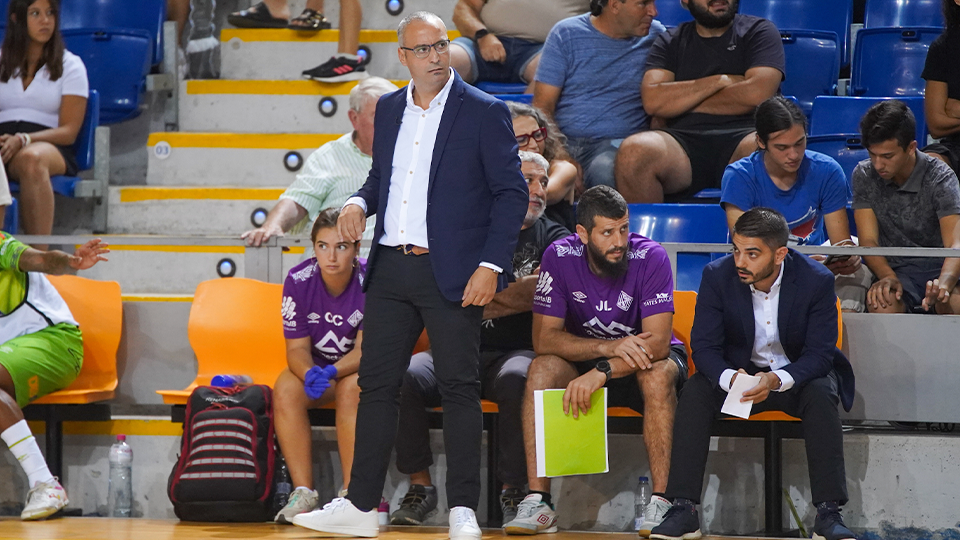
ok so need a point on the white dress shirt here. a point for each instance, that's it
(767, 350)
(405, 220)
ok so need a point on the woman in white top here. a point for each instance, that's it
(43, 98)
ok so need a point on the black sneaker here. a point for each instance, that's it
(681, 522)
(337, 69)
(509, 500)
(417, 505)
(829, 524)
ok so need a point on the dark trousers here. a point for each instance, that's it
(503, 378)
(815, 403)
(401, 300)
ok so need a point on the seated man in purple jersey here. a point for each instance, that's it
(603, 316)
(506, 350)
(323, 325)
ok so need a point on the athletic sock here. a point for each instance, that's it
(347, 56)
(544, 497)
(661, 495)
(24, 447)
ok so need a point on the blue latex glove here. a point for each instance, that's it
(317, 380)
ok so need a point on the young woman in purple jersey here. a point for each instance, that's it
(323, 325)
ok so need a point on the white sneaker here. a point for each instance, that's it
(653, 515)
(302, 500)
(463, 524)
(533, 517)
(44, 500)
(340, 516)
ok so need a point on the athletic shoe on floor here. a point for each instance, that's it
(337, 69)
(340, 516)
(533, 517)
(463, 524)
(44, 500)
(417, 505)
(829, 524)
(653, 515)
(682, 522)
(510, 499)
(302, 500)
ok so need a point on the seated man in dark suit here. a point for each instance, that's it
(770, 311)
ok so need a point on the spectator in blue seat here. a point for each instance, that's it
(905, 198)
(43, 99)
(807, 187)
(501, 39)
(589, 77)
(506, 350)
(941, 101)
(323, 325)
(703, 81)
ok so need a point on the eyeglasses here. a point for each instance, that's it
(422, 51)
(537, 135)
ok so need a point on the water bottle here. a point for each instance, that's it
(120, 493)
(230, 380)
(641, 500)
(284, 487)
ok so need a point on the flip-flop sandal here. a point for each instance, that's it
(258, 16)
(310, 20)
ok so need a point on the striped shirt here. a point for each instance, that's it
(331, 174)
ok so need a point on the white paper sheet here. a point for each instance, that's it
(732, 404)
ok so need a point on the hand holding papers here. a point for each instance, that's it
(732, 405)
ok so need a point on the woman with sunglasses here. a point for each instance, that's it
(537, 133)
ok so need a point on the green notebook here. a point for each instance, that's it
(566, 445)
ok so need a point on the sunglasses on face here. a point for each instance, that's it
(537, 135)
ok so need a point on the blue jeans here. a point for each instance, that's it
(519, 53)
(597, 157)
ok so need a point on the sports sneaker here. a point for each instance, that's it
(510, 499)
(340, 516)
(829, 524)
(463, 524)
(44, 500)
(681, 522)
(337, 69)
(417, 505)
(653, 515)
(533, 517)
(300, 501)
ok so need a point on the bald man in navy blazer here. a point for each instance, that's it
(450, 201)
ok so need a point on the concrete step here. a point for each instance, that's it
(194, 210)
(220, 159)
(258, 106)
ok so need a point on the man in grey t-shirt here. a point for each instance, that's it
(905, 198)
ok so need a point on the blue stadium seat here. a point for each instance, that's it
(834, 115)
(671, 13)
(846, 149)
(813, 65)
(689, 223)
(117, 61)
(825, 15)
(11, 218)
(888, 61)
(887, 13)
(146, 15)
(501, 88)
(519, 98)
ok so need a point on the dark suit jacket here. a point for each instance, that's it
(723, 326)
(477, 197)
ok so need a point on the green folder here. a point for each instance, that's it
(566, 445)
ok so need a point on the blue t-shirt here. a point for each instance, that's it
(599, 77)
(821, 189)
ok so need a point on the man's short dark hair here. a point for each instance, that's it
(764, 223)
(596, 6)
(603, 201)
(889, 119)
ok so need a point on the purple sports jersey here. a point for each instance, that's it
(604, 308)
(330, 322)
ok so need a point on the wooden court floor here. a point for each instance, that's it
(92, 528)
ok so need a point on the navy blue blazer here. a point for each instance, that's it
(476, 198)
(723, 326)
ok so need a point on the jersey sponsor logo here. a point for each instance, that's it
(5, 245)
(335, 320)
(603, 306)
(487, 323)
(355, 319)
(6, 349)
(660, 298)
(579, 297)
(288, 308)
(563, 251)
(360, 278)
(614, 330)
(331, 344)
(624, 301)
(305, 274)
(638, 254)
(313, 318)
(545, 284)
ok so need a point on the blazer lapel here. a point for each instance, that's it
(450, 110)
(788, 294)
(745, 303)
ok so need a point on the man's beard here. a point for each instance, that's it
(604, 266)
(767, 272)
(706, 19)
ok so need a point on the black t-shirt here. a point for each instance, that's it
(514, 332)
(749, 42)
(562, 212)
(943, 62)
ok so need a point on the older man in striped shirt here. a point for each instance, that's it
(332, 173)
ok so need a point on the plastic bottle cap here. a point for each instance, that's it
(644, 479)
(121, 438)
